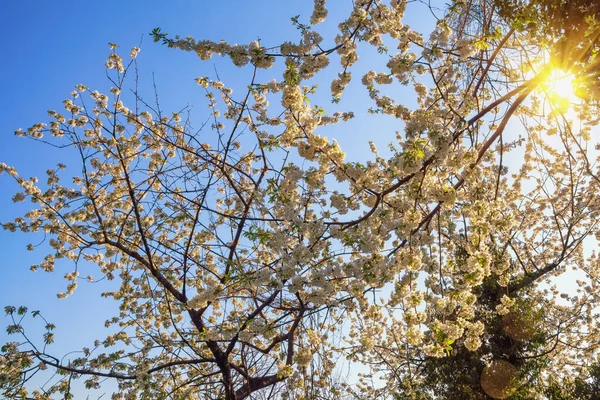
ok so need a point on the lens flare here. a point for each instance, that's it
(560, 88)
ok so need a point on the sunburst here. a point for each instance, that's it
(560, 88)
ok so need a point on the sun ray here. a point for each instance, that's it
(560, 88)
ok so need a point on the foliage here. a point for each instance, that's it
(569, 29)
(256, 261)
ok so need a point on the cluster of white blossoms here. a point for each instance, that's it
(115, 62)
(240, 55)
(338, 85)
(319, 12)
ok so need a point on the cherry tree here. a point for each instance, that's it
(254, 261)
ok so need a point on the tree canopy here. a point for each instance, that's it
(250, 258)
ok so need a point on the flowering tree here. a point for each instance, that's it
(251, 262)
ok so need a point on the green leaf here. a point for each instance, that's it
(14, 328)
(48, 338)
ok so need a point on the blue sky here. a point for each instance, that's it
(50, 46)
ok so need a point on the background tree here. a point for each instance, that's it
(251, 261)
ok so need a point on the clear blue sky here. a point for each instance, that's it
(50, 46)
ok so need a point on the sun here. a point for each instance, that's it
(560, 88)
